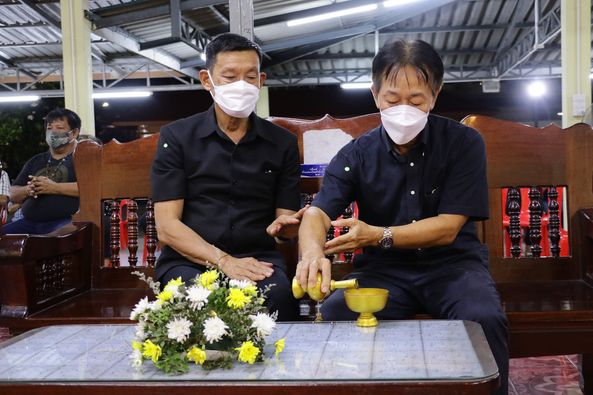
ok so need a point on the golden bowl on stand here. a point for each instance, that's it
(366, 301)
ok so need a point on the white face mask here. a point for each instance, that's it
(403, 123)
(237, 99)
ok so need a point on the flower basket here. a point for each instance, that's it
(212, 322)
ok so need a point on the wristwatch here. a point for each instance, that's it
(386, 241)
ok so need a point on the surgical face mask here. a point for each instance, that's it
(237, 99)
(57, 139)
(403, 123)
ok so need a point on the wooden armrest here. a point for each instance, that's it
(65, 239)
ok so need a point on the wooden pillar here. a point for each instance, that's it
(263, 104)
(76, 55)
(576, 59)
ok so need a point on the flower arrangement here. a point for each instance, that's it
(212, 323)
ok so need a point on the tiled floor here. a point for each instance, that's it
(528, 376)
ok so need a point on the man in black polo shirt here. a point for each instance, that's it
(420, 183)
(222, 177)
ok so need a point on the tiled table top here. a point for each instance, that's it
(395, 350)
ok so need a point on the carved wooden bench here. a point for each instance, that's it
(75, 276)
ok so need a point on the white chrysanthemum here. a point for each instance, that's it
(241, 284)
(155, 305)
(214, 329)
(179, 329)
(175, 290)
(141, 330)
(140, 308)
(136, 357)
(198, 296)
(263, 323)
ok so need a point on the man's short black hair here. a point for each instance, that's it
(63, 113)
(229, 42)
(420, 55)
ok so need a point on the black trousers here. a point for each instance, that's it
(279, 297)
(461, 290)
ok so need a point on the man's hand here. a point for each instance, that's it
(286, 226)
(40, 185)
(307, 269)
(245, 268)
(360, 235)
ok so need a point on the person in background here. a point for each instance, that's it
(4, 193)
(225, 182)
(46, 186)
(419, 181)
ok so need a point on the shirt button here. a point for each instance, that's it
(412, 193)
(232, 227)
(413, 220)
(411, 164)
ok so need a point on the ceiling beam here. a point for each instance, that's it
(20, 25)
(140, 10)
(519, 15)
(315, 42)
(549, 27)
(156, 55)
(452, 29)
(370, 55)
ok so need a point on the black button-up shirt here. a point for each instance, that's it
(230, 191)
(445, 173)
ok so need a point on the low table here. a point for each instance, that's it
(411, 357)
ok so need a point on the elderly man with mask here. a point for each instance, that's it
(46, 185)
(225, 182)
(420, 183)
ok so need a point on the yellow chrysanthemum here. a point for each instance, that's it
(237, 298)
(152, 351)
(250, 290)
(248, 352)
(197, 355)
(279, 346)
(174, 283)
(136, 345)
(165, 296)
(208, 278)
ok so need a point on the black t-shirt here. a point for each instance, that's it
(445, 173)
(230, 191)
(48, 207)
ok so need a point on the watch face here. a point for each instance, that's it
(386, 242)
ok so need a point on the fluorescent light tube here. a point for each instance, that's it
(330, 15)
(393, 3)
(17, 99)
(121, 94)
(356, 85)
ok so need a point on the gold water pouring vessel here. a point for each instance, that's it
(315, 292)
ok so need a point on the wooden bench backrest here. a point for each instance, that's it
(111, 171)
(520, 155)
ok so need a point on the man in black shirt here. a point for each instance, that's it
(222, 177)
(46, 185)
(420, 183)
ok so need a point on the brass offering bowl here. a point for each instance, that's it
(366, 301)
